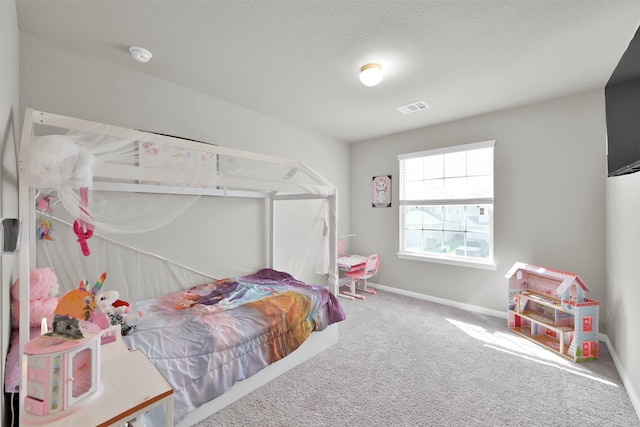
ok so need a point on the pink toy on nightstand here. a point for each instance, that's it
(61, 374)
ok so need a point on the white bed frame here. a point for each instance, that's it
(315, 344)
(115, 175)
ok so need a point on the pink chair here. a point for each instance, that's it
(368, 270)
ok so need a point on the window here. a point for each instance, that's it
(446, 204)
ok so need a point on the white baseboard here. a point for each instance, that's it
(468, 307)
(633, 396)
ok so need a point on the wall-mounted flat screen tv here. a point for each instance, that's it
(622, 103)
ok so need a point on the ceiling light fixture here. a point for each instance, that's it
(371, 74)
(140, 54)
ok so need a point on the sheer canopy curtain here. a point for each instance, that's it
(110, 184)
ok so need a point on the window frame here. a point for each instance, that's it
(448, 258)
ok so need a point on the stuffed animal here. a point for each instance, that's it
(43, 288)
(118, 311)
(78, 303)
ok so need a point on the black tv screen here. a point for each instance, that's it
(622, 104)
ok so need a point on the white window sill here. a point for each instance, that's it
(484, 264)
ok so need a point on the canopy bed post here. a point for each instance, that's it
(26, 194)
(271, 237)
(332, 206)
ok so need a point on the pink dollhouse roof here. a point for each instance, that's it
(566, 278)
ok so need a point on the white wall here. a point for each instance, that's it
(9, 176)
(62, 82)
(550, 169)
(59, 81)
(623, 273)
(554, 207)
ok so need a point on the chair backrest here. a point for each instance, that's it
(372, 264)
(340, 247)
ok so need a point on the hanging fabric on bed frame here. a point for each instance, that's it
(109, 184)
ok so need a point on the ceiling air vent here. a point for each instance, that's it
(412, 108)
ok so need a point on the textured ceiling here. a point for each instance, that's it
(299, 60)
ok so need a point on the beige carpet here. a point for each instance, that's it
(407, 362)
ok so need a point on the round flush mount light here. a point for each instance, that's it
(140, 54)
(371, 74)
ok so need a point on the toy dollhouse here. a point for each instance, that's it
(549, 307)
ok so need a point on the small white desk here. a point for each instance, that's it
(351, 262)
(347, 264)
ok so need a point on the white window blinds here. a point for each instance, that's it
(459, 174)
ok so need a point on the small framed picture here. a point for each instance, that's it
(381, 191)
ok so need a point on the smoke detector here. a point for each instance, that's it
(140, 54)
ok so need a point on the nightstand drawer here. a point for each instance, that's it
(38, 362)
(34, 406)
(35, 389)
(37, 375)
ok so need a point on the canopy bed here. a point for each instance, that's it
(116, 181)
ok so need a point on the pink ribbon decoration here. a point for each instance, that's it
(82, 228)
(83, 234)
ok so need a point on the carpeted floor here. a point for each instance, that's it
(402, 361)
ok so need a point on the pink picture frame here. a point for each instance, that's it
(381, 191)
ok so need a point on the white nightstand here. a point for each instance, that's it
(131, 386)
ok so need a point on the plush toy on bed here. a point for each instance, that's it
(118, 311)
(43, 288)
